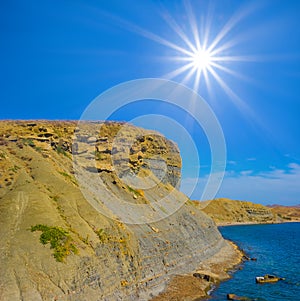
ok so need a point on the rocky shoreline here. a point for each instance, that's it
(198, 285)
(254, 223)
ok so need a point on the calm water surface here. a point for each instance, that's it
(277, 249)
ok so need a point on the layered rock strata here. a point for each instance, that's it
(85, 253)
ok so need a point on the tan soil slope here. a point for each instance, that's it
(287, 213)
(226, 211)
(96, 258)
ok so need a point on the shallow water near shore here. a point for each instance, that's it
(277, 250)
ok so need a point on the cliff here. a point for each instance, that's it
(57, 244)
(226, 211)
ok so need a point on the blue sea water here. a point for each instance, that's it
(277, 249)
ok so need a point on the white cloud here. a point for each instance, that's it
(268, 187)
(246, 172)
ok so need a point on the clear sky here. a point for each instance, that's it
(242, 57)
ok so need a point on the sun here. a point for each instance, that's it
(203, 56)
(201, 59)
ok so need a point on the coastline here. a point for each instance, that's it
(254, 223)
(191, 287)
(187, 287)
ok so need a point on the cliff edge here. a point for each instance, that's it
(56, 245)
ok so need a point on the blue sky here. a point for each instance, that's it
(57, 56)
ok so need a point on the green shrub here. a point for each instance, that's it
(38, 149)
(60, 150)
(59, 239)
(103, 236)
(28, 141)
(14, 169)
(136, 192)
(69, 177)
(65, 175)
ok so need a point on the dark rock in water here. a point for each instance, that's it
(237, 298)
(247, 258)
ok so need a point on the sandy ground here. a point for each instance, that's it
(190, 288)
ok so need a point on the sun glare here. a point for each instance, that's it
(201, 59)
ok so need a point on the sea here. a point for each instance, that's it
(276, 248)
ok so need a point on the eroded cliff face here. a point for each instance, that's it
(84, 253)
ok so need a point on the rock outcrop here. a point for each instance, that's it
(56, 246)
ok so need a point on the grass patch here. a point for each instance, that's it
(138, 192)
(38, 149)
(103, 236)
(14, 169)
(54, 198)
(60, 150)
(69, 177)
(59, 239)
(85, 240)
(66, 175)
(28, 141)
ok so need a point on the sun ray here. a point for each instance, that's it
(233, 96)
(227, 27)
(231, 72)
(161, 40)
(193, 24)
(205, 76)
(189, 76)
(179, 58)
(178, 71)
(231, 23)
(225, 46)
(206, 27)
(148, 34)
(237, 58)
(247, 112)
(174, 25)
(197, 79)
